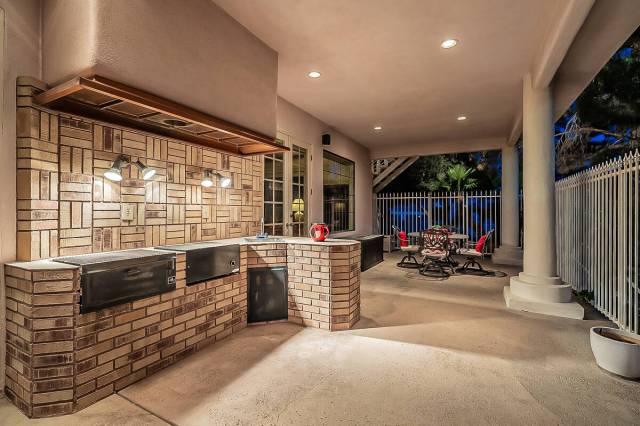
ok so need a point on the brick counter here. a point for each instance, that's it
(60, 361)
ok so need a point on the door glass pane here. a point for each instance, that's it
(278, 191)
(298, 190)
(273, 193)
(268, 190)
(268, 168)
(268, 213)
(278, 214)
(278, 170)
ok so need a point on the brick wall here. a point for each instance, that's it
(41, 313)
(323, 281)
(60, 361)
(324, 285)
(66, 206)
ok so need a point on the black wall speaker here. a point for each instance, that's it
(326, 139)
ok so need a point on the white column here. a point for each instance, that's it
(509, 252)
(538, 288)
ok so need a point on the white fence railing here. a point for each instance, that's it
(597, 224)
(473, 212)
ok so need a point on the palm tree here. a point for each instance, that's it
(456, 178)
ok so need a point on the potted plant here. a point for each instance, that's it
(616, 351)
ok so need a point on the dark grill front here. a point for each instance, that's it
(208, 260)
(108, 279)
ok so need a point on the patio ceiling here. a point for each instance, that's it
(382, 64)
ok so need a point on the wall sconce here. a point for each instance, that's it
(207, 179)
(115, 172)
(145, 171)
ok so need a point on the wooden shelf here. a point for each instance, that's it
(107, 100)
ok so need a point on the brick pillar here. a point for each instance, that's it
(40, 334)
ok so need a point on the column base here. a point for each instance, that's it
(507, 255)
(542, 295)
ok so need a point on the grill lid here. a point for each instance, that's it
(190, 246)
(109, 257)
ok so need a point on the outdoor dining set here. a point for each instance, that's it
(436, 248)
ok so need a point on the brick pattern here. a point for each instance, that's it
(323, 281)
(60, 361)
(67, 207)
(41, 308)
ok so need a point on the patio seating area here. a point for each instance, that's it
(437, 247)
(422, 350)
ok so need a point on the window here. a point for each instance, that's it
(338, 179)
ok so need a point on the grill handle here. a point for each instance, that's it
(132, 272)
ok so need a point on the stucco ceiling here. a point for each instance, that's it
(382, 64)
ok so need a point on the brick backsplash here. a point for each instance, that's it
(66, 206)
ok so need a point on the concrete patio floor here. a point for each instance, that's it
(424, 352)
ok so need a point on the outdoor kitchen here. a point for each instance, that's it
(291, 212)
(93, 307)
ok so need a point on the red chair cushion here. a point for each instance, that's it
(480, 243)
(404, 241)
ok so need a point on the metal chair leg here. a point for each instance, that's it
(409, 261)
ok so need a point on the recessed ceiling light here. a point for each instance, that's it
(449, 43)
(461, 117)
(314, 74)
(377, 128)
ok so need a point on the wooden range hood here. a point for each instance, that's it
(103, 99)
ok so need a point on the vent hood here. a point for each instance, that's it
(107, 100)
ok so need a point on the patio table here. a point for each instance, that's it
(456, 239)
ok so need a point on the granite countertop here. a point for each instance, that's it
(41, 265)
(49, 264)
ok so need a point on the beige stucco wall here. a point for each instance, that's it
(308, 129)
(189, 51)
(20, 56)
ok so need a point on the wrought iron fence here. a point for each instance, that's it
(473, 212)
(597, 227)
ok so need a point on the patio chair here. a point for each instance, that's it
(409, 260)
(474, 252)
(435, 252)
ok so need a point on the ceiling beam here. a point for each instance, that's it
(559, 39)
(609, 24)
(436, 147)
(516, 129)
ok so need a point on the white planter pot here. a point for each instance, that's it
(616, 351)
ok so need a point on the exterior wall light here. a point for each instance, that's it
(145, 171)
(224, 180)
(115, 172)
(207, 179)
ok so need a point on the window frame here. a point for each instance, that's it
(352, 163)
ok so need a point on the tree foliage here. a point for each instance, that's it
(604, 122)
(455, 178)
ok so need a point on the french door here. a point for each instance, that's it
(286, 189)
